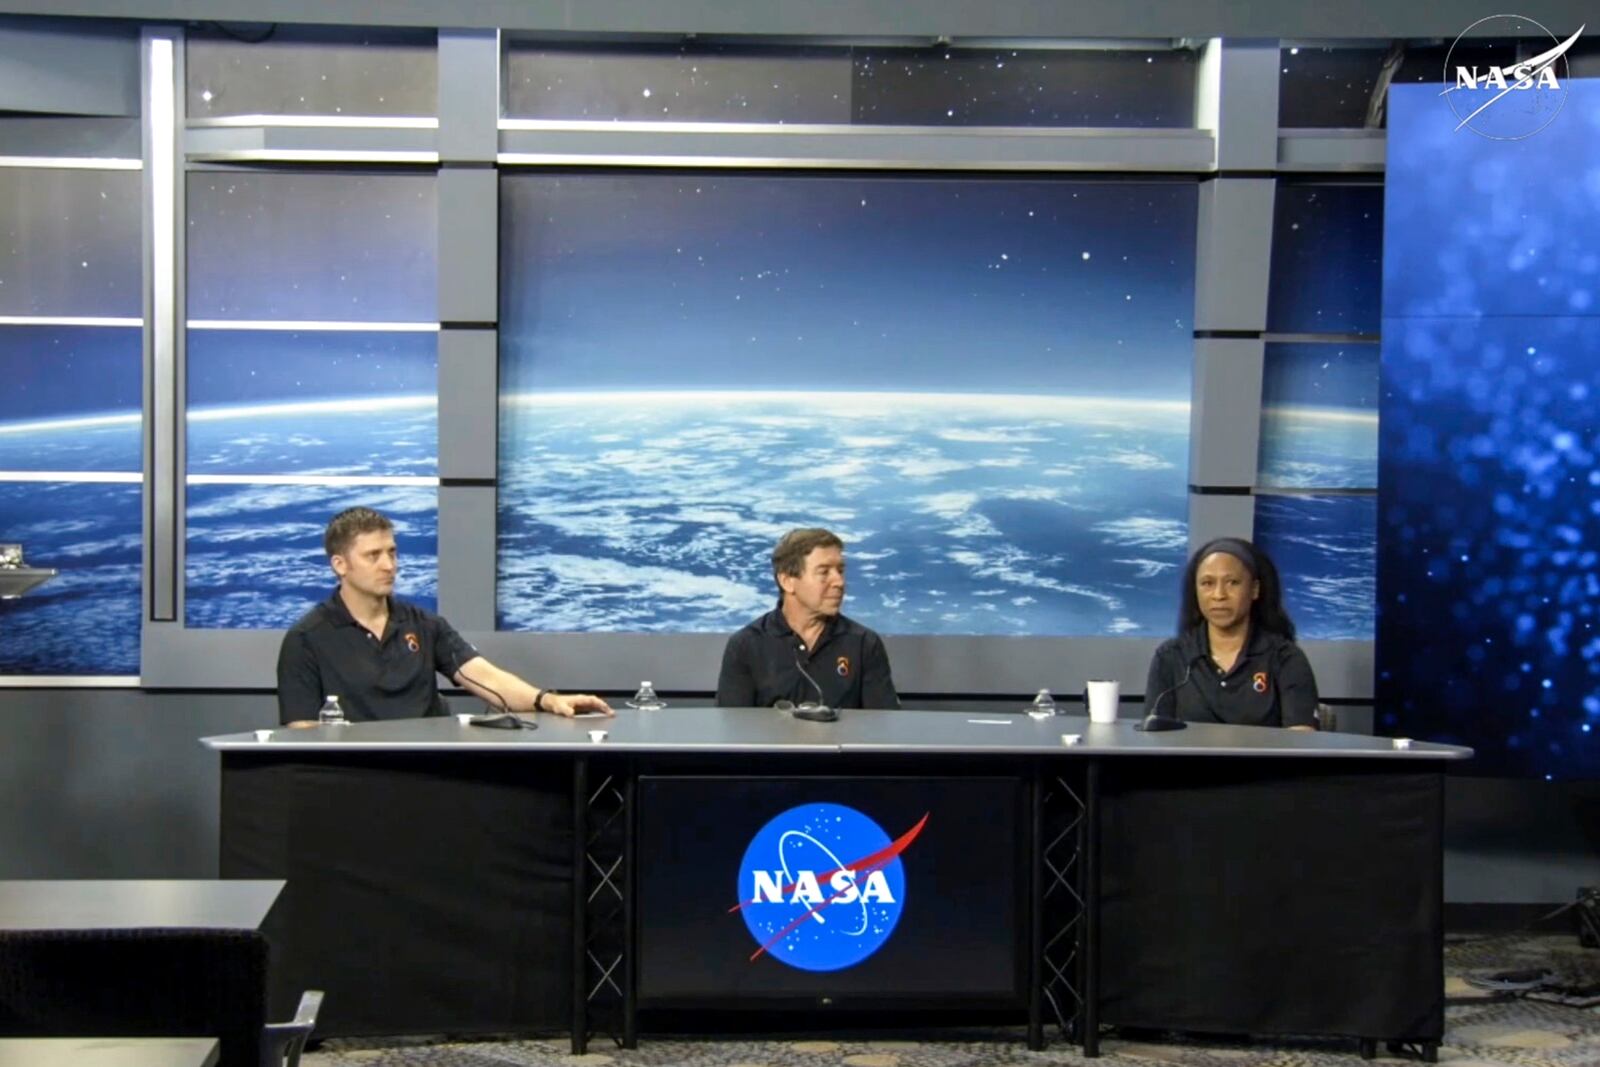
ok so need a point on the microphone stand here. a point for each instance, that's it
(1155, 722)
(818, 712)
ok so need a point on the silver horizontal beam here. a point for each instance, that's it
(1302, 20)
(311, 143)
(1332, 151)
(707, 145)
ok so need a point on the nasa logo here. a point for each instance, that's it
(821, 886)
(1531, 89)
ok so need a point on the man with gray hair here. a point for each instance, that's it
(804, 651)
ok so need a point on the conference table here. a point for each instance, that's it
(86, 904)
(108, 1052)
(444, 876)
(122, 970)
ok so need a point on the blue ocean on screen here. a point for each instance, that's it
(962, 513)
(86, 619)
(254, 558)
(253, 553)
(1326, 551)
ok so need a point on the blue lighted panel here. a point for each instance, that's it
(1489, 484)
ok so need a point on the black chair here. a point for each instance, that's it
(145, 983)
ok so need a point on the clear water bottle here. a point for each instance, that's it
(645, 699)
(331, 714)
(1043, 706)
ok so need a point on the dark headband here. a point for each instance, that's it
(1240, 550)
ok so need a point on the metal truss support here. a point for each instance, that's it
(1060, 914)
(602, 905)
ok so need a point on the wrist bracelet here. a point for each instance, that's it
(538, 701)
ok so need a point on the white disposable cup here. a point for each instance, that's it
(597, 736)
(1103, 700)
(263, 735)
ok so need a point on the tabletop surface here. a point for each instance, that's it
(125, 904)
(708, 729)
(108, 1051)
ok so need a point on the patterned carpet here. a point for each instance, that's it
(1554, 1022)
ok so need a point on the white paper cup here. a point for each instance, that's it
(263, 735)
(1102, 698)
(597, 736)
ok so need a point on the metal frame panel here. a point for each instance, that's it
(1225, 415)
(925, 22)
(872, 147)
(469, 223)
(467, 556)
(468, 408)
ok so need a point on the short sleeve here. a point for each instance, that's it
(736, 686)
(1160, 680)
(451, 651)
(877, 680)
(299, 679)
(1297, 688)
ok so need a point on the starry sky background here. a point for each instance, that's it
(846, 283)
(276, 366)
(69, 242)
(852, 85)
(61, 371)
(1327, 259)
(319, 245)
(1321, 375)
(1489, 437)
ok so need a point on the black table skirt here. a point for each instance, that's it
(1275, 898)
(431, 892)
(426, 893)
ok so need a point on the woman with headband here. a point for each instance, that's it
(1234, 659)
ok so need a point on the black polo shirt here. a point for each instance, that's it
(849, 663)
(1270, 684)
(328, 652)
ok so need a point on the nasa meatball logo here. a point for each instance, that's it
(1515, 100)
(821, 886)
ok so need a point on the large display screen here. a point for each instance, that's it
(839, 891)
(981, 384)
(1489, 433)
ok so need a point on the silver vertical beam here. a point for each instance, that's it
(469, 95)
(162, 70)
(468, 268)
(1236, 98)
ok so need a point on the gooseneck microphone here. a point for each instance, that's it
(820, 711)
(1155, 722)
(505, 719)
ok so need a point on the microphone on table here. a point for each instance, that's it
(818, 712)
(505, 719)
(1155, 722)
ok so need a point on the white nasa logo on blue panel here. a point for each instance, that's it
(1511, 101)
(821, 886)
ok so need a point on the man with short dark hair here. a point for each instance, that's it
(804, 651)
(377, 654)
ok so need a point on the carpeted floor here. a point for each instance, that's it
(1552, 1024)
